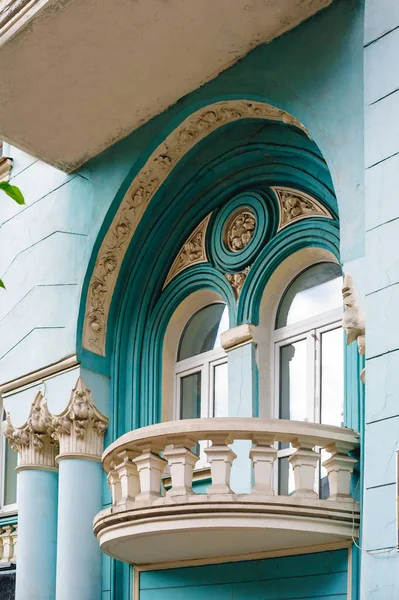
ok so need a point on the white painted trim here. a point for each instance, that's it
(66, 364)
(137, 569)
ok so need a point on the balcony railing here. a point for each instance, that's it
(136, 462)
(8, 543)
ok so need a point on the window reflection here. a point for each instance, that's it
(202, 332)
(315, 291)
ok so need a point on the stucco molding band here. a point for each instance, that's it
(80, 428)
(33, 441)
(238, 336)
(71, 362)
(148, 180)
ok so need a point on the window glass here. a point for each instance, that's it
(332, 377)
(220, 391)
(202, 332)
(190, 396)
(315, 291)
(293, 384)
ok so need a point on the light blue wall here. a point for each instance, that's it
(314, 72)
(380, 571)
(322, 576)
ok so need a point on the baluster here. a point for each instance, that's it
(14, 536)
(114, 485)
(339, 469)
(181, 462)
(304, 462)
(7, 543)
(263, 456)
(150, 467)
(128, 476)
(1, 545)
(220, 458)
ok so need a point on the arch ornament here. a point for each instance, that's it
(144, 186)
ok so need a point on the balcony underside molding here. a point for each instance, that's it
(209, 526)
(96, 70)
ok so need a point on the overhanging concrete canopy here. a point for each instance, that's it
(77, 75)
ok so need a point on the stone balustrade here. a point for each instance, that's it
(149, 523)
(8, 543)
(136, 462)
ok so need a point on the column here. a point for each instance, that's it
(37, 490)
(80, 431)
(240, 346)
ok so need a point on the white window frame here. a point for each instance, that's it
(311, 330)
(204, 363)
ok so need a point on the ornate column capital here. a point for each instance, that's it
(80, 428)
(33, 441)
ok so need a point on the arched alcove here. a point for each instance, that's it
(254, 153)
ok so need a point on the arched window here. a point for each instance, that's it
(309, 359)
(201, 365)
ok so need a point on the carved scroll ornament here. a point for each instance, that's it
(239, 230)
(80, 428)
(192, 253)
(237, 281)
(33, 441)
(147, 182)
(353, 321)
(295, 205)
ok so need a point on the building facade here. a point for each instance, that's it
(190, 406)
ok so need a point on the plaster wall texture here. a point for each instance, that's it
(47, 245)
(379, 571)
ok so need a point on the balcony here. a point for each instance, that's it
(77, 76)
(148, 525)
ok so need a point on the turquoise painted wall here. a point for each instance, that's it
(314, 72)
(380, 560)
(64, 213)
(322, 576)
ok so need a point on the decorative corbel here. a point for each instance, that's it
(80, 428)
(33, 441)
(353, 320)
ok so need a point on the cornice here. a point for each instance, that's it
(37, 376)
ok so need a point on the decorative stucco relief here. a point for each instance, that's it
(353, 322)
(240, 230)
(237, 281)
(295, 205)
(149, 179)
(5, 168)
(33, 441)
(192, 252)
(80, 428)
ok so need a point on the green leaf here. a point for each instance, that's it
(2, 284)
(13, 191)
